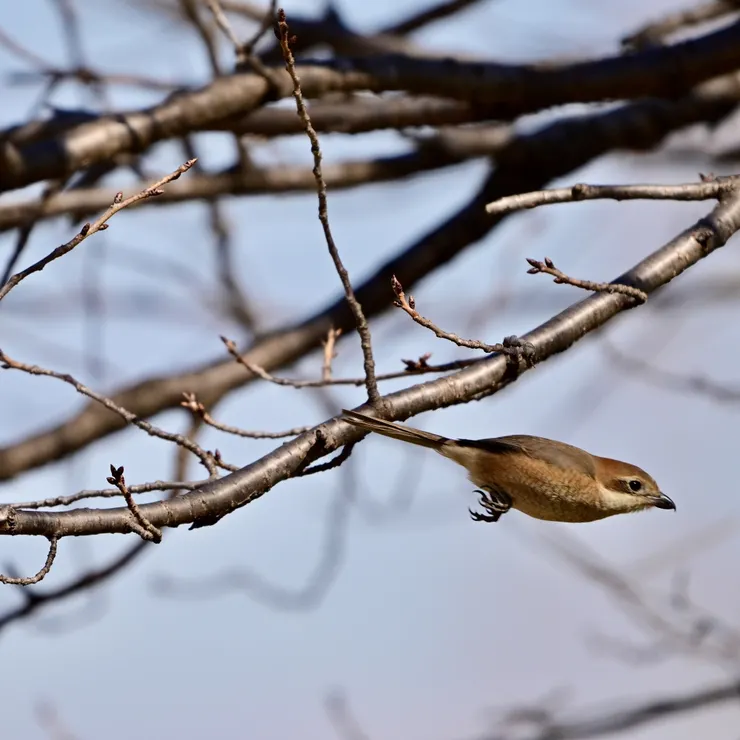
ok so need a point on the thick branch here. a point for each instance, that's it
(356, 115)
(507, 90)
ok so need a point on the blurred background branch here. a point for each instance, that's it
(425, 112)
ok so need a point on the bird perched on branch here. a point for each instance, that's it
(540, 477)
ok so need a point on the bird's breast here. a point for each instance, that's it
(542, 490)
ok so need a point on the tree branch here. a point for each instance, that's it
(627, 719)
(576, 193)
(361, 324)
(218, 498)
(527, 163)
(506, 90)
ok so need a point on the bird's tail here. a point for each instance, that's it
(390, 429)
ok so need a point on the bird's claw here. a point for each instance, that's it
(476, 517)
(494, 502)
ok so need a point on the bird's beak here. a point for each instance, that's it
(661, 501)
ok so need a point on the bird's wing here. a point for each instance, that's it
(556, 453)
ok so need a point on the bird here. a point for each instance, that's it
(542, 478)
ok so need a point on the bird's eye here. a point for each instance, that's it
(635, 485)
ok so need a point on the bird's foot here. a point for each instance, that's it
(494, 502)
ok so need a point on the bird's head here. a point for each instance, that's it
(627, 488)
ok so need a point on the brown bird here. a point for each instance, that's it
(540, 477)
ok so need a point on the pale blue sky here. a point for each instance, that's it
(434, 623)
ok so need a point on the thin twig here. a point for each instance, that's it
(329, 353)
(235, 180)
(82, 583)
(511, 346)
(143, 527)
(264, 27)
(192, 14)
(159, 485)
(413, 367)
(100, 225)
(223, 23)
(244, 52)
(705, 190)
(24, 233)
(706, 236)
(548, 267)
(361, 322)
(234, 298)
(205, 457)
(307, 597)
(335, 462)
(93, 577)
(192, 403)
(41, 574)
(222, 463)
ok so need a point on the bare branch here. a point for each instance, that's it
(360, 321)
(352, 114)
(41, 574)
(511, 346)
(206, 458)
(506, 90)
(157, 485)
(191, 12)
(671, 631)
(527, 163)
(254, 181)
(265, 25)
(24, 233)
(95, 576)
(548, 268)
(88, 229)
(333, 463)
(581, 191)
(638, 715)
(223, 23)
(243, 580)
(218, 498)
(192, 404)
(413, 367)
(144, 528)
(87, 581)
(329, 353)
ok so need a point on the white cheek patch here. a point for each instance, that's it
(617, 501)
